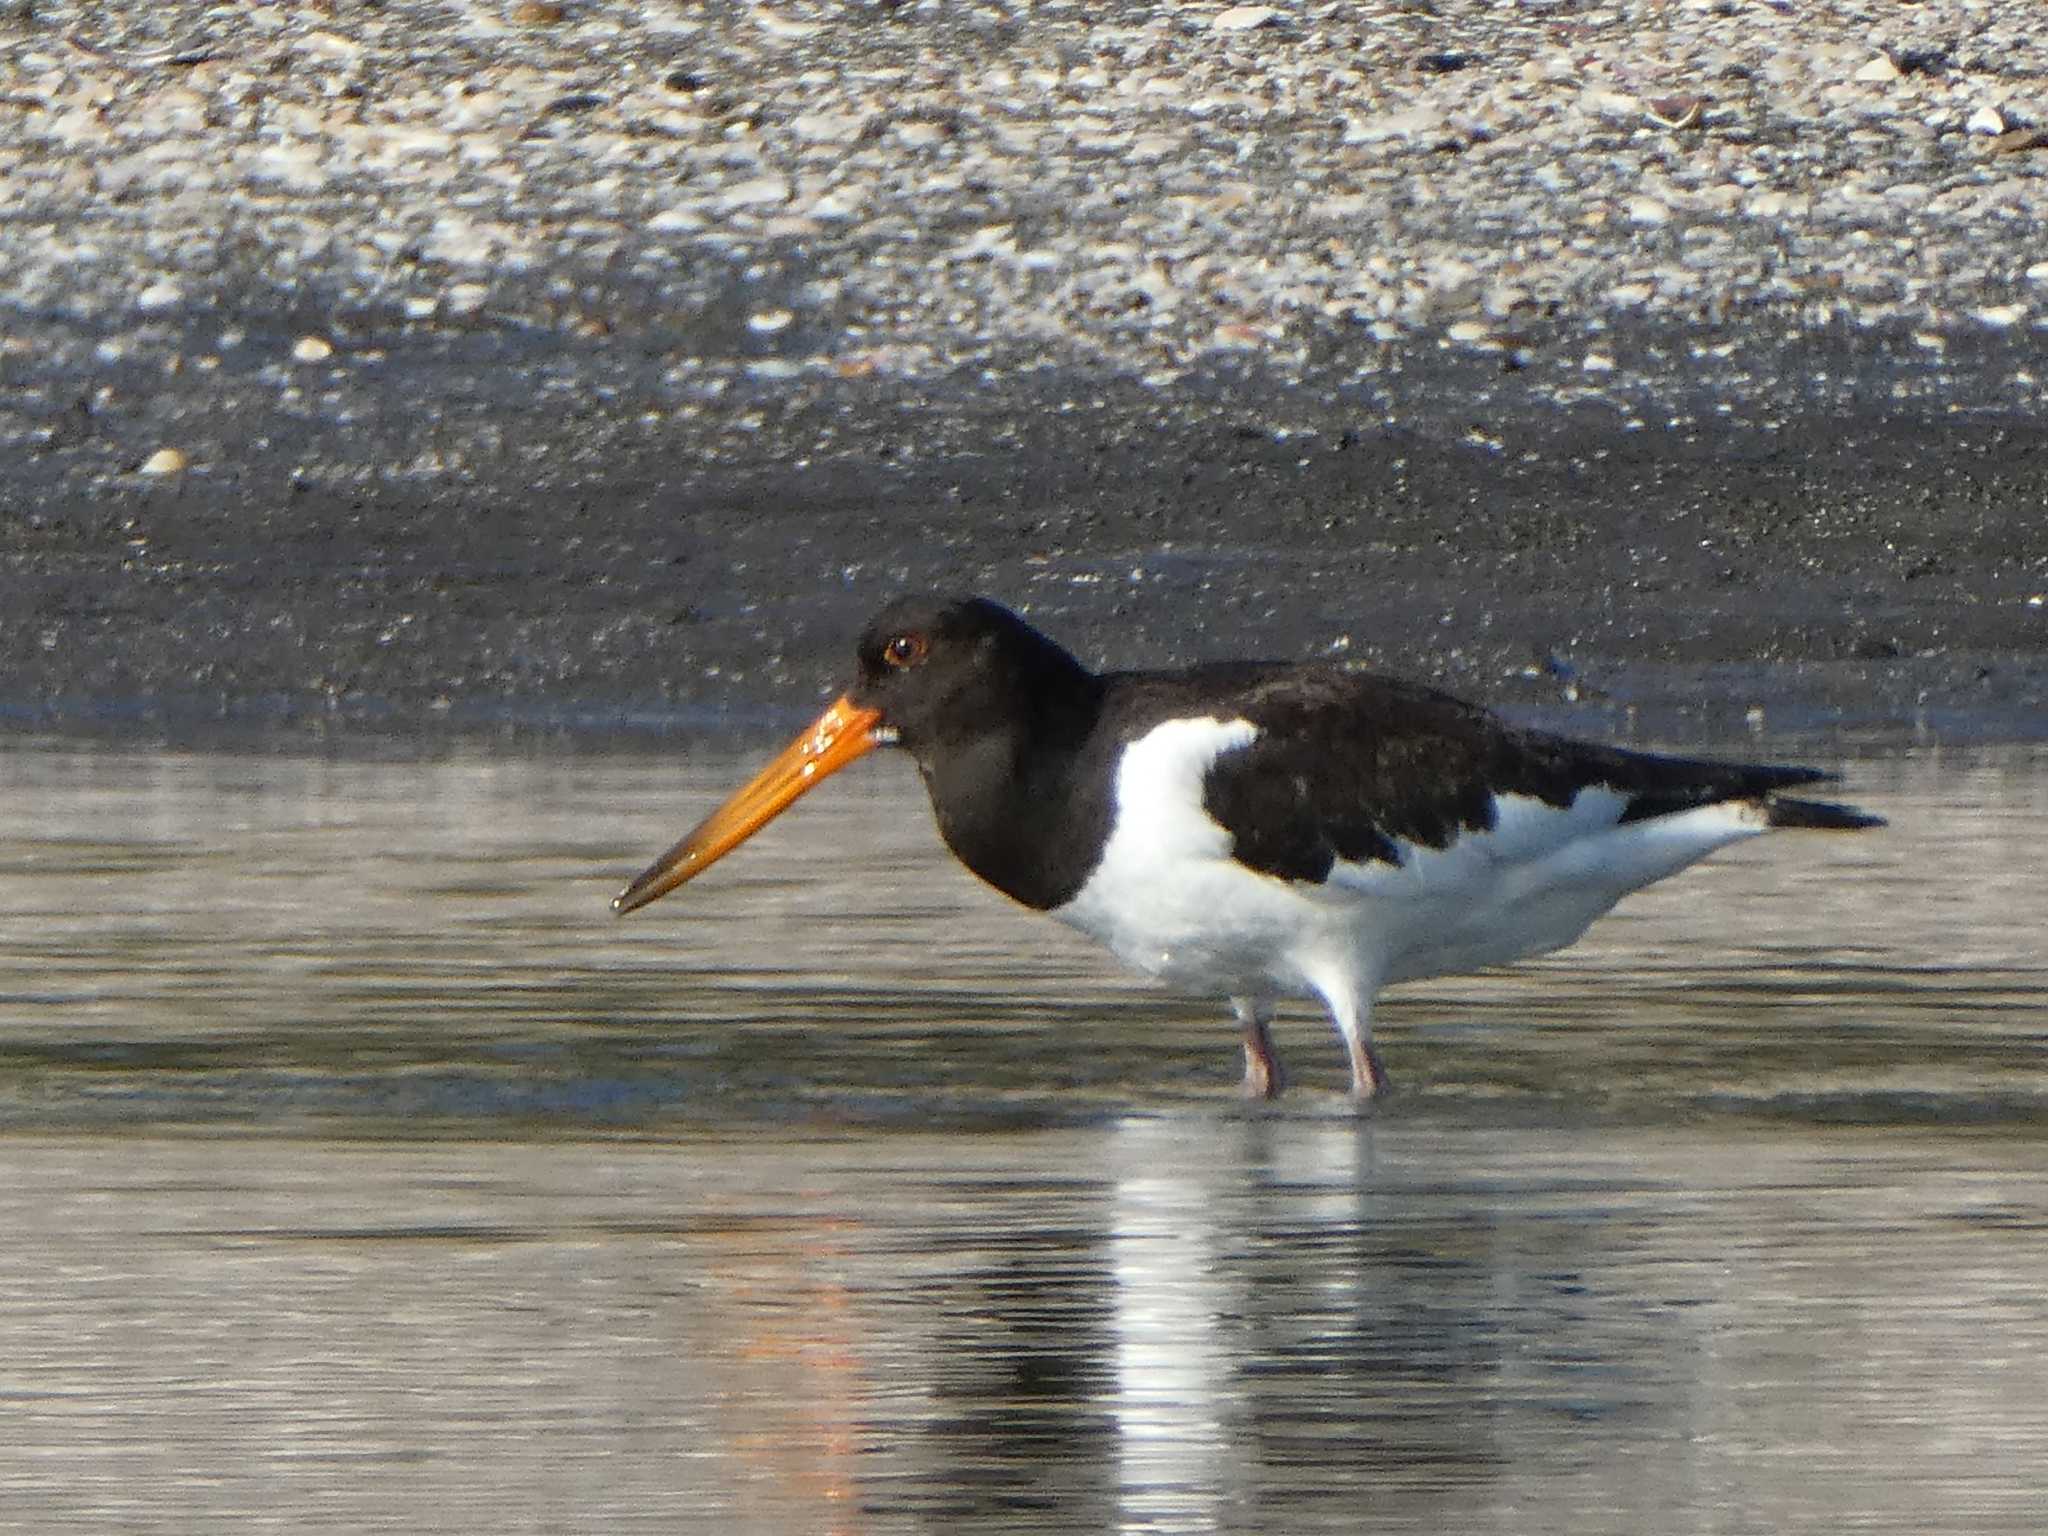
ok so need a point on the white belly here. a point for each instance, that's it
(1208, 925)
(1532, 883)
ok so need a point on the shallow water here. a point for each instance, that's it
(360, 1171)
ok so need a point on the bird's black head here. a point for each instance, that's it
(945, 670)
(967, 686)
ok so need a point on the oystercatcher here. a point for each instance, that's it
(1252, 830)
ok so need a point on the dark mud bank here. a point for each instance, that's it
(1821, 529)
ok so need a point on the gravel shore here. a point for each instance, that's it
(605, 362)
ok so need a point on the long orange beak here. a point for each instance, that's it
(837, 737)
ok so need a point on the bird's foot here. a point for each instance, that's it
(1370, 1084)
(1264, 1078)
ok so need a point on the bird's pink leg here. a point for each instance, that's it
(1369, 1078)
(1263, 1076)
(1347, 989)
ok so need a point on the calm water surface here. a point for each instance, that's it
(359, 1171)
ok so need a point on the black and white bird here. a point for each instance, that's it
(1253, 830)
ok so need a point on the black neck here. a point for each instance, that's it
(1025, 801)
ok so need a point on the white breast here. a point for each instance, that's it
(1167, 897)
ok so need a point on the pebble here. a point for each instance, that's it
(782, 26)
(680, 219)
(838, 207)
(165, 461)
(1985, 120)
(331, 45)
(755, 193)
(1675, 112)
(829, 127)
(161, 294)
(1775, 204)
(1244, 18)
(1413, 123)
(312, 349)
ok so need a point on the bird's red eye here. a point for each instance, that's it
(905, 650)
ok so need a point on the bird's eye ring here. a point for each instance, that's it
(905, 650)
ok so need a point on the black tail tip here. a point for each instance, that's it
(1820, 816)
